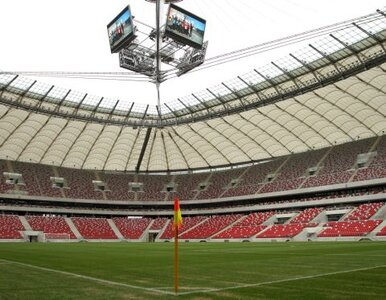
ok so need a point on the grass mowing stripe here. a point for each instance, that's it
(109, 282)
(281, 280)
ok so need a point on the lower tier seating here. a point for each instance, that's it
(50, 225)
(349, 228)
(10, 227)
(132, 228)
(94, 228)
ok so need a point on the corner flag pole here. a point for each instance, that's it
(177, 221)
(176, 259)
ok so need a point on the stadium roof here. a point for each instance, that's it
(330, 93)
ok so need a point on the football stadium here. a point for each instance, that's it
(264, 176)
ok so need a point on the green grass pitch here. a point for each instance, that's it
(207, 271)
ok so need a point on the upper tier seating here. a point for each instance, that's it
(210, 226)
(10, 227)
(294, 171)
(252, 180)
(218, 182)
(94, 228)
(153, 187)
(37, 179)
(80, 184)
(337, 167)
(132, 228)
(350, 228)
(4, 187)
(187, 185)
(118, 186)
(50, 225)
(377, 168)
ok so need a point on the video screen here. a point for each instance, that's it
(120, 30)
(185, 27)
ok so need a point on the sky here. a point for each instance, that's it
(71, 36)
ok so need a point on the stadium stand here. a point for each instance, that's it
(188, 185)
(153, 187)
(283, 230)
(349, 228)
(50, 225)
(158, 223)
(118, 186)
(132, 228)
(188, 223)
(94, 228)
(247, 227)
(79, 184)
(382, 232)
(306, 216)
(10, 227)
(210, 226)
(292, 174)
(377, 168)
(364, 211)
(338, 166)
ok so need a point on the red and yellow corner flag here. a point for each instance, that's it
(177, 222)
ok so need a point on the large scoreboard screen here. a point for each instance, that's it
(121, 30)
(185, 27)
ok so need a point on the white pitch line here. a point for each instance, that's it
(108, 282)
(280, 281)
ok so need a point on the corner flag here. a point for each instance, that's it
(177, 214)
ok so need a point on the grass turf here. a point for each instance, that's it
(207, 271)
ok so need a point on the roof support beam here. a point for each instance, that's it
(322, 116)
(268, 134)
(328, 58)
(166, 152)
(112, 110)
(72, 145)
(374, 37)
(304, 123)
(31, 138)
(112, 147)
(217, 98)
(234, 92)
(226, 138)
(191, 146)
(292, 78)
(210, 143)
(179, 149)
(20, 98)
(59, 105)
(129, 112)
(308, 67)
(144, 146)
(7, 85)
(349, 47)
(286, 129)
(53, 141)
(202, 103)
(270, 82)
(132, 148)
(256, 92)
(93, 144)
